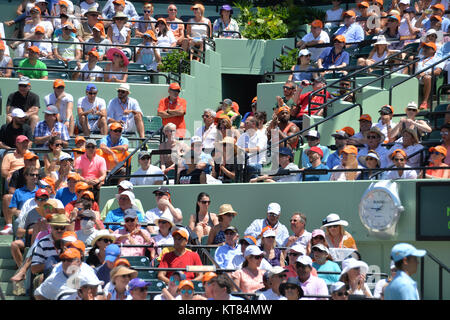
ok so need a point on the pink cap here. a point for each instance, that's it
(318, 232)
(21, 139)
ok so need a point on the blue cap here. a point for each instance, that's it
(137, 283)
(286, 151)
(227, 7)
(91, 86)
(112, 252)
(403, 250)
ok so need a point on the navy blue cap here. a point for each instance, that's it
(286, 151)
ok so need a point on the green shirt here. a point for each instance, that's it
(33, 74)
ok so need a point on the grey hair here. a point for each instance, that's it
(210, 111)
(170, 125)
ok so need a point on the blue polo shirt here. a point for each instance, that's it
(334, 160)
(329, 266)
(117, 215)
(108, 142)
(329, 58)
(20, 196)
(318, 177)
(352, 33)
(402, 287)
(426, 24)
(224, 254)
(305, 159)
(103, 273)
(65, 196)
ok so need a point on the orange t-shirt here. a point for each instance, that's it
(165, 104)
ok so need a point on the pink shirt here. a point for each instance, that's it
(247, 281)
(90, 169)
(314, 286)
(137, 239)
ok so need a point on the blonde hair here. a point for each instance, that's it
(200, 7)
(351, 164)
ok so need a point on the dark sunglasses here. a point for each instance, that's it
(173, 9)
(85, 218)
(42, 199)
(399, 159)
(159, 194)
(59, 228)
(122, 91)
(105, 240)
(172, 279)
(147, 11)
(58, 144)
(231, 233)
(372, 137)
(291, 288)
(129, 220)
(436, 153)
(316, 250)
(257, 257)
(118, 130)
(144, 289)
(184, 291)
(33, 174)
(92, 93)
(340, 294)
(293, 254)
(91, 147)
(288, 88)
(205, 201)
(60, 87)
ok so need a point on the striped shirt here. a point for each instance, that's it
(44, 249)
(42, 130)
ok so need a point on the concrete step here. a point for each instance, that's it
(6, 274)
(7, 288)
(7, 263)
(5, 251)
(12, 298)
(5, 240)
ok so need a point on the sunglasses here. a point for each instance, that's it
(316, 250)
(414, 110)
(293, 221)
(58, 144)
(178, 91)
(288, 88)
(85, 218)
(145, 158)
(162, 222)
(126, 276)
(372, 137)
(105, 240)
(118, 130)
(144, 289)
(59, 228)
(92, 93)
(23, 85)
(205, 201)
(436, 153)
(332, 227)
(229, 233)
(172, 279)
(370, 159)
(340, 294)
(117, 55)
(159, 194)
(33, 175)
(147, 11)
(399, 159)
(319, 237)
(60, 87)
(129, 220)
(184, 291)
(257, 257)
(91, 147)
(42, 199)
(291, 288)
(293, 254)
(173, 9)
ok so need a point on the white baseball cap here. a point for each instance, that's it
(304, 52)
(125, 184)
(408, 2)
(305, 260)
(269, 233)
(298, 248)
(252, 250)
(321, 247)
(336, 286)
(276, 270)
(195, 139)
(18, 113)
(274, 208)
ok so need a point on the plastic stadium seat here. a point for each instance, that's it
(138, 78)
(103, 64)
(54, 63)
(52, 75)
(148, 274)
(136, 67)
(138, 261)
(198, 286)
(71, 65)
(152, 124)
(16, 61)
(186, 18)
(156, 285)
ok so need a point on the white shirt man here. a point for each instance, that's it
(147, 168)
(319, 36)
(98, 104)
(116, 108)
(252, 140)
(208, 135)
(51, 99)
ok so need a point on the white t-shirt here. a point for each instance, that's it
(47, 25)
(50, 99)
(258, 139)
(407, 174)
(270, 295)
(153, 214)
(383, 129)
(92, 75)
(86, 6)
(315, 52)
(142, 181)
(208, 136)
(85, 105)
(167, 40)
(161, 240)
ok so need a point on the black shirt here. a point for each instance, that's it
(8, 134)
(17, 100)
(190, 178)
(17, 179)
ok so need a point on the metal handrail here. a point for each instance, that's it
(442, 267)
(433, 77)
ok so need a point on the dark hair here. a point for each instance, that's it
(222, 281)
(446, 126)
(53, 140)
(200, 195)
(261, 116)
(30, 169)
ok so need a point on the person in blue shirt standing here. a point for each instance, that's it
(315, 156)
(68, 194)
(126, 202)
(225, 253)
(403, 287)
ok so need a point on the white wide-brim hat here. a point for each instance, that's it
(333, 220)
(352, 263)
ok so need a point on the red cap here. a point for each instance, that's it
(41, 192)
(315, 149)
(39, 29)
(174, 86)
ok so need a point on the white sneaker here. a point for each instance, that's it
(6, 230)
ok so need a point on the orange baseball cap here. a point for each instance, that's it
(379, 2)
(70, 26)
(151, 34)
(349, 130)
(363, 4)
(81, 186)
(90, 194)
(402, 152)
(174, 86)
(30, 155)
(349, 13)
(121, 2)
(115, 126)
(436, 17)
(100, 27)
(69, 236)
(386, 108)
(365, 117)
(208, 276)
(73, 175)
(70, 253)
(439, 6)
(58, 83)
(440, 149)
(39, 29)
(255, 99)
(350, 149)
(36, 8)
(182, 233)
(34, 49)
(317, 24)
(79, 138)
(2, 45)
(63, 3)
(185, 283)
(77, 244)
(122, 262)
(340, 38)
(94, 53)
(79, 150)
(429, 45)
